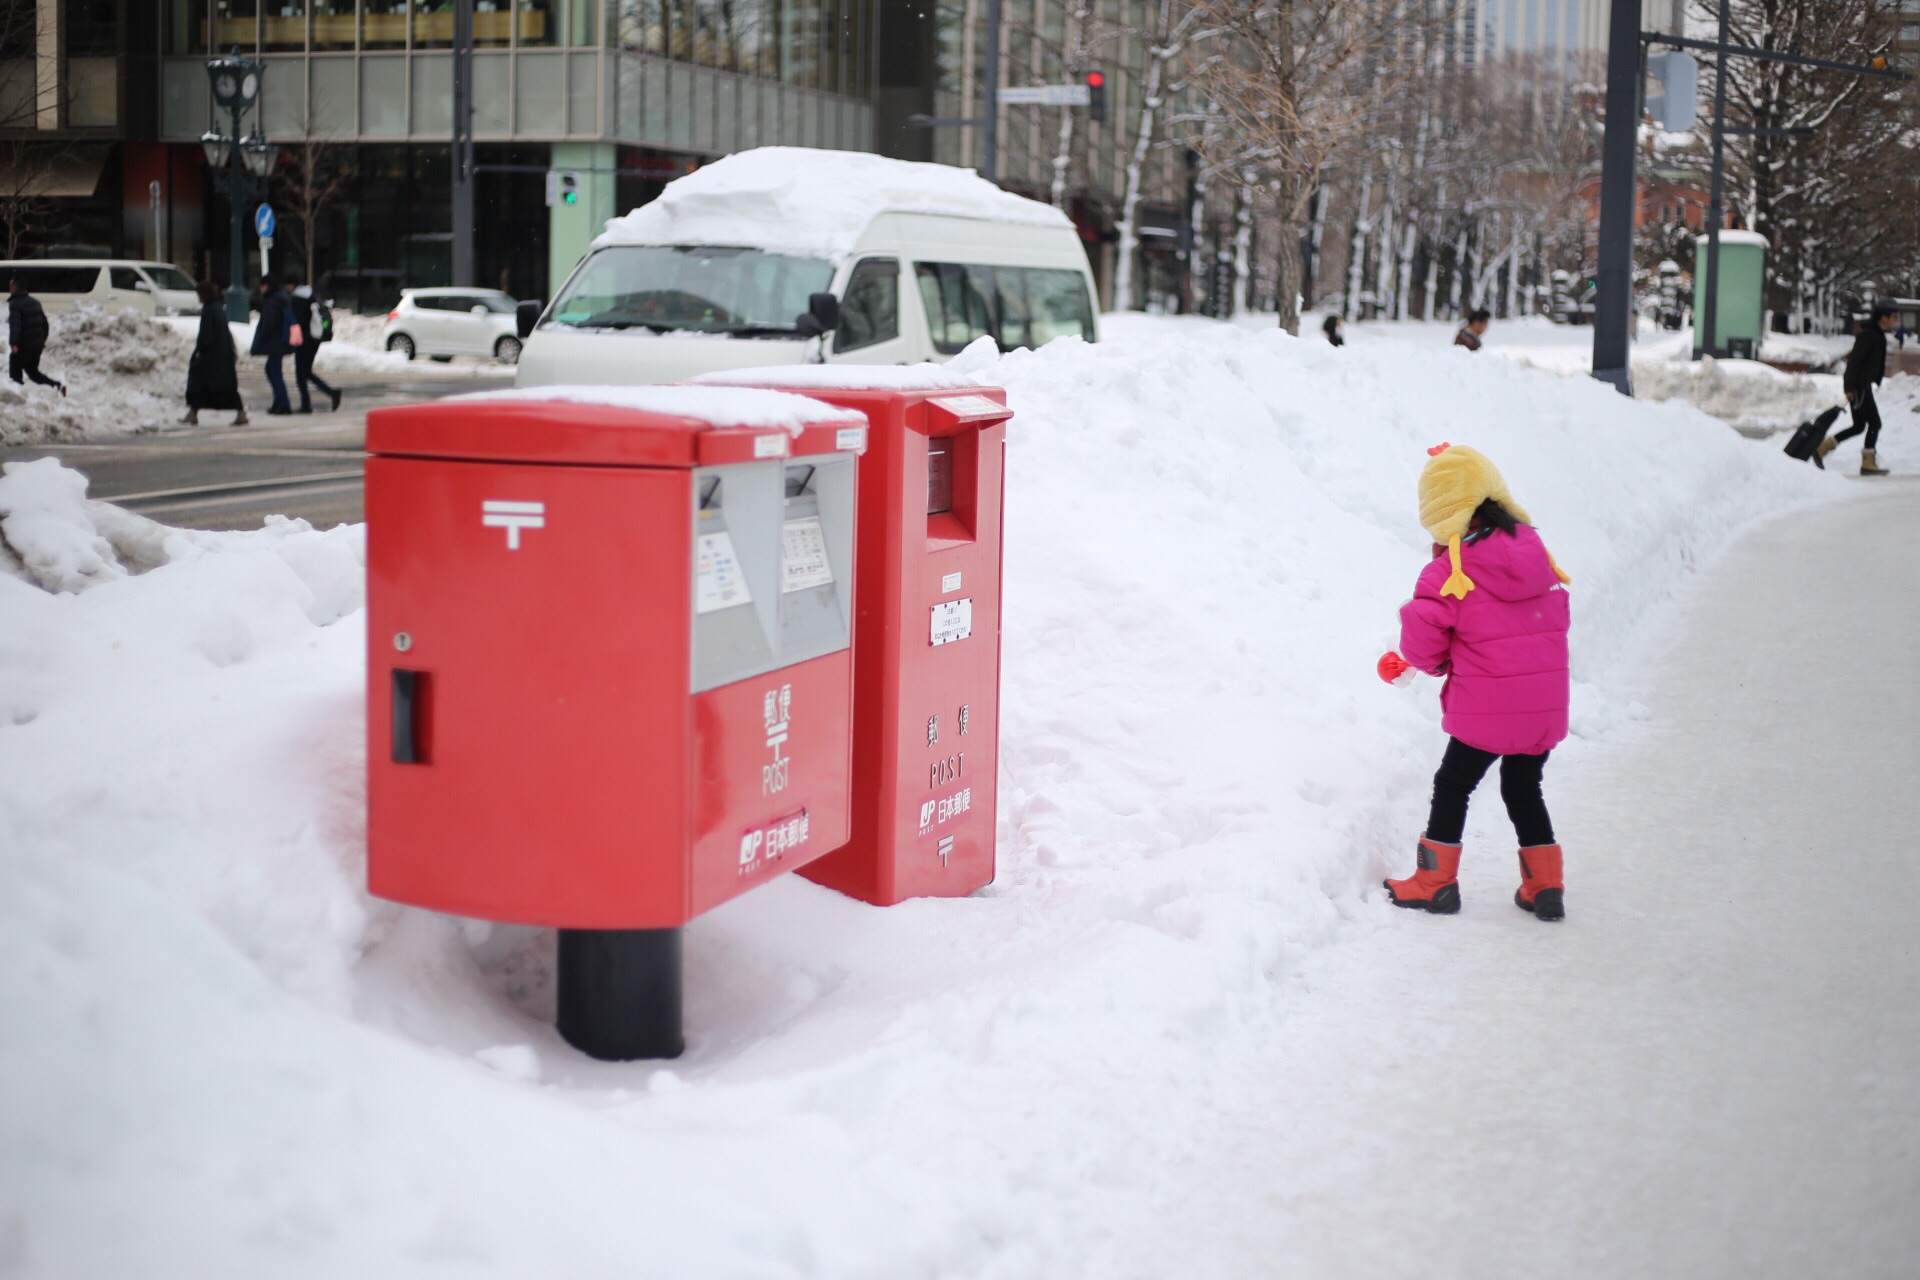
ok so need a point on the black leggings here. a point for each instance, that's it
(1866, 417)
(1460, 772)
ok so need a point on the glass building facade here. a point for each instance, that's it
(627, 92)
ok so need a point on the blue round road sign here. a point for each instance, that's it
(263, 221)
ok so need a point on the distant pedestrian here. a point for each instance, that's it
(1470, 332)
(1500, 639)
(1331, 326)
(314, 320)
(26, 336)
(1866, 366)
(213, 380)
(273, 338)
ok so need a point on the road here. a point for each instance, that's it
(220, 477)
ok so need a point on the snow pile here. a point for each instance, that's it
(716, 406)
(811, 203)
(240, 1064)
(1745, 393)
(124, 373)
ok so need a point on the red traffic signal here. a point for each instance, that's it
(1096, 82)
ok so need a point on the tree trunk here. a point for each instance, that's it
(1293, 190)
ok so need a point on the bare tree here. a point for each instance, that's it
(311, 175)
(1294, 82)
(28, 163)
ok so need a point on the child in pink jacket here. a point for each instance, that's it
(1490, 614)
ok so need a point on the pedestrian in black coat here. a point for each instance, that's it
(213, 379)
(27, 331)
(1866, 366)
(309, 348)
(273, 338)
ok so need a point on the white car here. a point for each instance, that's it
(444, 323)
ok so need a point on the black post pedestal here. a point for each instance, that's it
(620, 992)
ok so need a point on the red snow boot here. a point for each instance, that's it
(1432, 887)
(1540, 889)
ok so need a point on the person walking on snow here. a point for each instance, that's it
(304, 313)
(1866, 365)
(1488, 613)
(213, 382)
(273, 338)
(26, 336)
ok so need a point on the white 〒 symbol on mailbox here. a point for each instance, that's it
(513, 517)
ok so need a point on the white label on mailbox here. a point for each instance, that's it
(952, 620)
(949, 584)
(770, 447)
(803, 556)
(972, 406)
(718, 582)
(850, 438)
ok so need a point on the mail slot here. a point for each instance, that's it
(610, 677)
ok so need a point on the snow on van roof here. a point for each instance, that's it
(1732, 236)
(843, 377)
(716, 406)
(812, 203)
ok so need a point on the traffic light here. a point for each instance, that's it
(562, 187)
(1097, 96)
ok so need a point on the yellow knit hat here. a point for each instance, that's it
(1452, 487)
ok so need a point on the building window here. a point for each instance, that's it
(283, 25)
(236, 25)
(335, 24)
(384, 24)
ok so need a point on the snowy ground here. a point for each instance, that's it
(1183, 1033)
(1753, 396)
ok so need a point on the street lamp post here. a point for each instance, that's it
(246, 160)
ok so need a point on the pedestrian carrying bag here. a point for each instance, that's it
(320, 327)
(1807, 437)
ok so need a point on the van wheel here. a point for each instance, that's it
(402, 343)
(507, 351)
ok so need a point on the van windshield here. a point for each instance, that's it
(165, 277)
(698, 289)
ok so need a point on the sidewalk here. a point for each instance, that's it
(1707, 1070)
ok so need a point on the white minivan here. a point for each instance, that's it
(784, 255)
(150, 288)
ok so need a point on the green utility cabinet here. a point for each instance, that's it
(1742, 289)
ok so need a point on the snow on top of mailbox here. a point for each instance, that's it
(716, 406)
(812, 203)
(844, 377)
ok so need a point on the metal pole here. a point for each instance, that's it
(990, 117)
(1706, 335)
(619, 992)
(462, 264)
(238, 187)
(1613, 299)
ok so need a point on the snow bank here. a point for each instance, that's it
(240, 1064)
(717, 406)
(124, 374)
(1745, 393)
(811, 203)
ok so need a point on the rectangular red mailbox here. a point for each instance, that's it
(609, 667)
(927, 644)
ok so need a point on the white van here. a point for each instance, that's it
(785, 255)
(150, 288)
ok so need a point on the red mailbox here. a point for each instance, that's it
(609, 675)
(927, 646)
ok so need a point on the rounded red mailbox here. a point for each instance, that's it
(609, 669)
(927, 645)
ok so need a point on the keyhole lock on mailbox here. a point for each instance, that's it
(639, 711)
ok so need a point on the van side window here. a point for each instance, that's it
(125, 278)
(957, 300)
(1018, 306)
(870, 312)
(56, 279)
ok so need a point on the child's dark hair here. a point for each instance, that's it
(1491, 515)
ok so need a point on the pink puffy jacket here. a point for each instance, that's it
(1503, 649)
